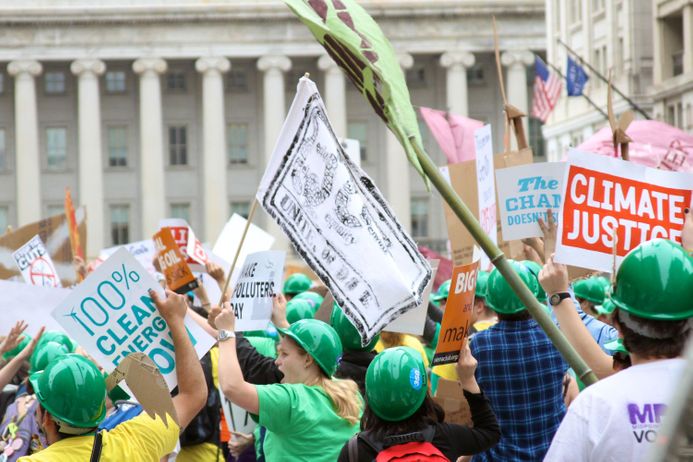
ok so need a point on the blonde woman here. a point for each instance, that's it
(309, 415)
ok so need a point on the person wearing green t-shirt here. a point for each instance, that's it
(309, 415)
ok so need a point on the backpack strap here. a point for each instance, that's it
(425, 435)
(353, 448)
(96, 448)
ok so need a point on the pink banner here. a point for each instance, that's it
(453, 133)
(655, 144)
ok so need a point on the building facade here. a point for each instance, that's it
(156, 108)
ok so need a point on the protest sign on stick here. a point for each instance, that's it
(525, 192)
(110, 314)
(190, 246)
(414, 321)
(260, 280)
(72, 226)
(172, 262)
(338, 220)
(603, 194)
(35, 264)
(457, 319)
(238, 251)
(483, 145)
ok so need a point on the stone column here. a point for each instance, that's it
(26, 135)
(335, 94)
(90, 171)
(396, 168)
(274, 112)
(152, 188)
(688, 38)
(457, 63)
(214, 163)
(516, 63)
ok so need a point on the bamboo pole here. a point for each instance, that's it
(499, 260)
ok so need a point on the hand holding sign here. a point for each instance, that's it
(687, 233)
(466, 366)
(226, 320)
(172, 308)
(553, 277)
(549, 229)
(14, 338)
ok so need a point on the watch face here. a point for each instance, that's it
(555, 299)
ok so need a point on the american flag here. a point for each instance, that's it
(547, 90)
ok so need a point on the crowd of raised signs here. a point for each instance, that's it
(307, 389)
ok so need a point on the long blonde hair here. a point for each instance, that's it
(344, 395)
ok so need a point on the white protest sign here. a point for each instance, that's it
(33, 304)
(36, 265)
(352, 148)
(413, 321)
(483, 144)
(338, 220)
(260, 279)
(525, 193)
(256, 240)
(603, 196)
(143, 251)
(110, 314)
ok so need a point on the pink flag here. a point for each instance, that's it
(453, 133)
(655, 144)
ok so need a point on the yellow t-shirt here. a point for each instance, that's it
(408, 341)
(204, 452)
(139, 439)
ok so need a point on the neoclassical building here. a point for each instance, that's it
(155, 108)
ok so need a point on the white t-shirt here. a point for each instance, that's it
(617, 418)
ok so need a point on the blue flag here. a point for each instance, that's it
(575, 78)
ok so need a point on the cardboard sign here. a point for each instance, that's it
(483, 144)
(32, 304)
(111, 315)
(463, 179)
(606, 196)
(143, 251)
(184, 236)
(450, 397)
(339, 222)
(259, 281)
(179, 278)
(55, 235)
(525, 193)
(35, 264)
(413, 321)
(454, 329)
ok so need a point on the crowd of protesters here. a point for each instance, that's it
(313, 392)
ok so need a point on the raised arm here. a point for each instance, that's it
(12, 367)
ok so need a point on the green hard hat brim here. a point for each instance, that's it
(616, 346)
(437, 297)
(327, 370)
(34, 380)
(647, 314)
(512, 311)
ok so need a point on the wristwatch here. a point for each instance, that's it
(558, 297)
(225, 335)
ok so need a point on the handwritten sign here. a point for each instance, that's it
(525, 193)
(111, 315)
(457, 319)
(605, 196)
(35, 263)
(483, 144)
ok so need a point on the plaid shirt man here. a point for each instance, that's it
(521, 372)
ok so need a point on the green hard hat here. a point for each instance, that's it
(481, 284)
(605, 308)
(319, 340)
(443, 292)
(73, 390)
(20, 346)
(590, 289)
(655, 281)
(534, 268)
(500, 296)
(616, 346)
(59, 337)
(298, 309)
(45, 353)
(297, 283)
(350, 337)
(314, 298)
(396, 383)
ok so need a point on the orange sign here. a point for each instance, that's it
(72, 226)
(179, 278)
(457, 319)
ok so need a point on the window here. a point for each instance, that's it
(54, 83)
(55, 209)
(120, 224)
(178, 145)
(416, 76)
(358, 130)
(575, 11)
(242, 208)
(237, 81)
(419, 217)
(597, 6)
(115, 82)
(596, 62)
(536, 138)
(2, 83)
(675, 114)
(56, 148)
(3, 152)
(475, 74)
(117, 147)
(4, 219)
(237, 143)
(175, 82)
(181, 210)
